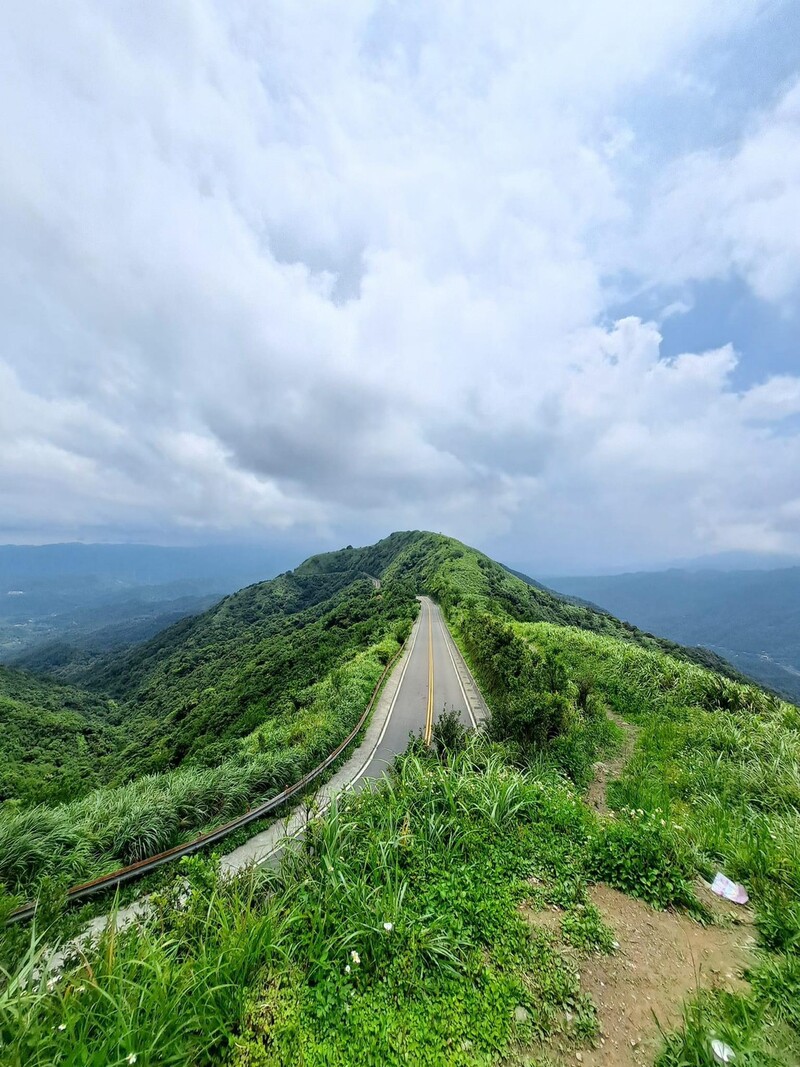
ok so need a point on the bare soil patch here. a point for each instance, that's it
(608, 770)
(663, 958)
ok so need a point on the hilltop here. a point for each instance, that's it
(452, 914)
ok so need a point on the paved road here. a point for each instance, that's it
(430, 677)
(417, 703)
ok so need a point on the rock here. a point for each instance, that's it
(521, 1014)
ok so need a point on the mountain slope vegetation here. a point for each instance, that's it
(55, 740)
(217, 712)
(226, 707)
(750, 617)
(406, 929)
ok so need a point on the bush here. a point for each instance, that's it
(576, 750)
(528, 689)
(449, 735)
(639, 853)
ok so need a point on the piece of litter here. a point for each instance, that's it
(722, 1053)
(724, 887)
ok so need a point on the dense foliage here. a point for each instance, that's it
(194, 690)
(115, 826)
(221, 710)
(397, 930)
(55, 741)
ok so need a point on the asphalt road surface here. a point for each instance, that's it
(431, 678)
(429, 685)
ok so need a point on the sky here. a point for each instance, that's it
(526, 273)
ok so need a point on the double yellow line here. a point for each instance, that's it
(429, 712)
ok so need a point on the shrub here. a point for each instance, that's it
(640, 853)
(527, 688)
(449, 734)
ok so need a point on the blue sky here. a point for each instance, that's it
(527, 274)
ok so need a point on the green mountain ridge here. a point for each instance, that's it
(404, 929)
(193, 691)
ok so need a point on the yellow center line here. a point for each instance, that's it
(429, 713)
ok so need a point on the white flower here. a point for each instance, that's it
(62, 1026)
(354, 956)
(347, 969)
(388, 927)
(131, 1058)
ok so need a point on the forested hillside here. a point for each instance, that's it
(216, 712)
(409, 926)
(54, 740)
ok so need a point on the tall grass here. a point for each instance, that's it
(393, 936)
(722, 762)
(163, 993)
(116, 826)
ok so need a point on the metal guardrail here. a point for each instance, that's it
(142, 867)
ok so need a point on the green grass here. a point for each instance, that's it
(415, 888)
(116, 826)
(719, 763)
(396, 931)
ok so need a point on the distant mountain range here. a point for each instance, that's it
(750, 617)
(63, 604)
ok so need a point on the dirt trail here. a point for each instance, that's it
(610, 770)
(663, 958)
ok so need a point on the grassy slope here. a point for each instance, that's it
(753, 615)
(221, 710)
(443, 853)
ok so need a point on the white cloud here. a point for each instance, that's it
(342, 267)
(734, 211)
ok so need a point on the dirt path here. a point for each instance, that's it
(609, 770)
(663, 957)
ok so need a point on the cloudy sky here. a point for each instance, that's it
(524, 272)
